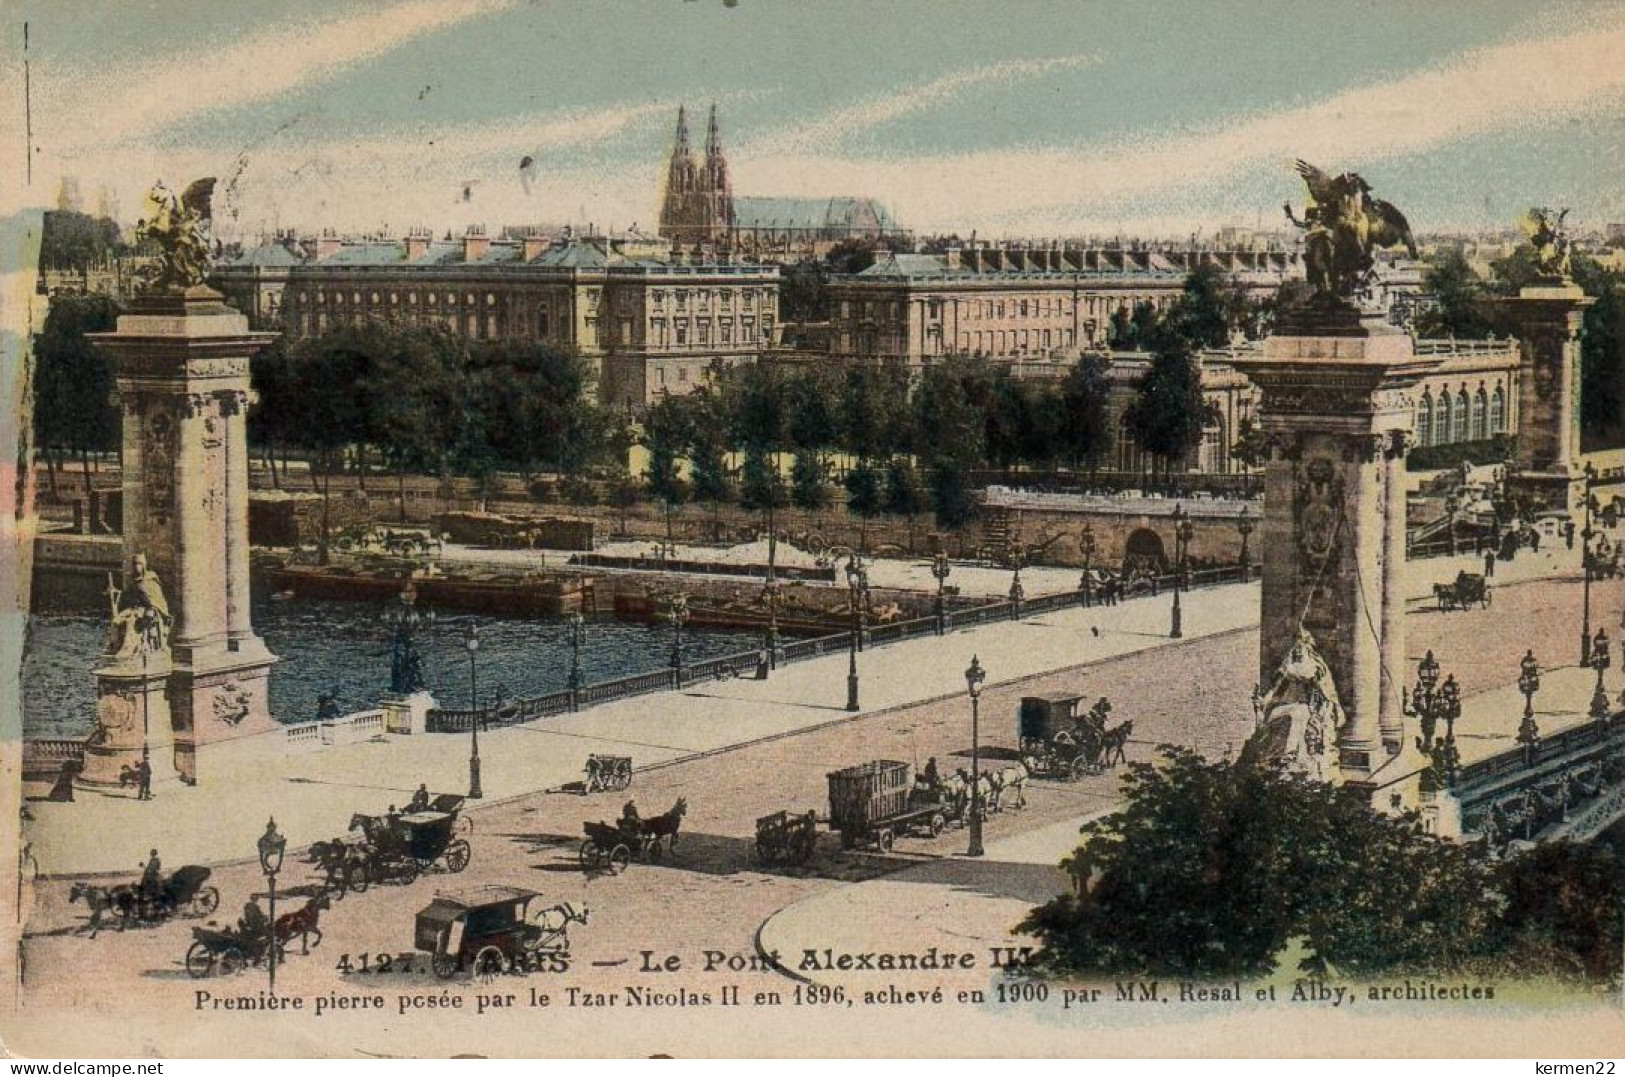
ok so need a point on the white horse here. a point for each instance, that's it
(1012, 778)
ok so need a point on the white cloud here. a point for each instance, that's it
(1520, 85)
(127, 103)
(828, 129)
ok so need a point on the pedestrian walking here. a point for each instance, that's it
(143, 779)
(1489, 563)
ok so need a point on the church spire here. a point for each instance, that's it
(713, 140)
(682, 130)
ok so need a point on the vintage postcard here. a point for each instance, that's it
(737, 527)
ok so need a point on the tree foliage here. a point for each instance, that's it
(1210, 869)
(73, 380)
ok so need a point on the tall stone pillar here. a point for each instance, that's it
(182, 373)
(1546, 319)
(1337, 406)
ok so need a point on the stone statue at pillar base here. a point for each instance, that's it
(132, 702)
(1301, 716)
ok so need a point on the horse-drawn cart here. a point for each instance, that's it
(613, 846)
(782, 838)
(400, 847)
(183, 893)
(608, 773)
(872, 803)
(1469, 589)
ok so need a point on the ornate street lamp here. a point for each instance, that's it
(1585, 560)
(770, 639)
(1017, 554)
(1600, 661)
(1176, 629)
(1423, 703)
(677, 616)
(578, 631)
(471, 643)
(1452, 505)
(1529, 684)
(271, 847)
(857, 585)
(941, 570)
(1086, 547)
(974, 676)
(1245, 525)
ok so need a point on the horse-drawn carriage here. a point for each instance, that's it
(783, 838)
(613, 846)
(181, 894)
(494, 929)
(397, 848)
(1469, 589)
(1057, 742)
(229, 950)
(608, 773)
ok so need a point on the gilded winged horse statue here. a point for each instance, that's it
(1342, 225)
(179, 227)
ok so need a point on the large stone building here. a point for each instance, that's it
(909, 310)
(648, 326)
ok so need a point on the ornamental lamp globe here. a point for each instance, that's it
(271, 847)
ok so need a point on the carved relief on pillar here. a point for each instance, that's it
(229, 704)
(233, 402)
(1317, 515)
(1283, 446)
(158, 458)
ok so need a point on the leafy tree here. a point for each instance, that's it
(762, 490)
(708, 466)
(330, 372)
(1250, 448)
(864, 498)
(757, 402)
(534, 398)
(273, 422)
(73, 383)
(624, 495)
(871, 406)
(810, 423)
(1563, 910)
(1084, 417)
(1458, 295)
(1210, 869)
(1209, 306)
(1602, 357)
(72, 240)
(949, 428)
(808, 482)
(667, 431)
(904, 497)
(1131, 331)
(953, 498)
(802, 295)
(1168, 412)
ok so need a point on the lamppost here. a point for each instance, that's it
(941, 570)
(1017, 554)
(857, 584)
(1600, 661)
(271, 847)
(974, 676)
(770, 596)
(1585, 560)
(1086, 547)
(1423, 702)
(1529, 684)
(676, 616)
(578, 629)
(1245, 526)
(471, 642)
(1176, 629)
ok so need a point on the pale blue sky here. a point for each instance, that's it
(1018, 116)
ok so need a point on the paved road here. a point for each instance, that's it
(712, 895)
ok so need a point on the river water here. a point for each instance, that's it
(343, 648)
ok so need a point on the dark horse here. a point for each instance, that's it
(302, 923)
(665, 826)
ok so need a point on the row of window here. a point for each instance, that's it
(660, 298)
(1048, 306)
(1461, 417)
